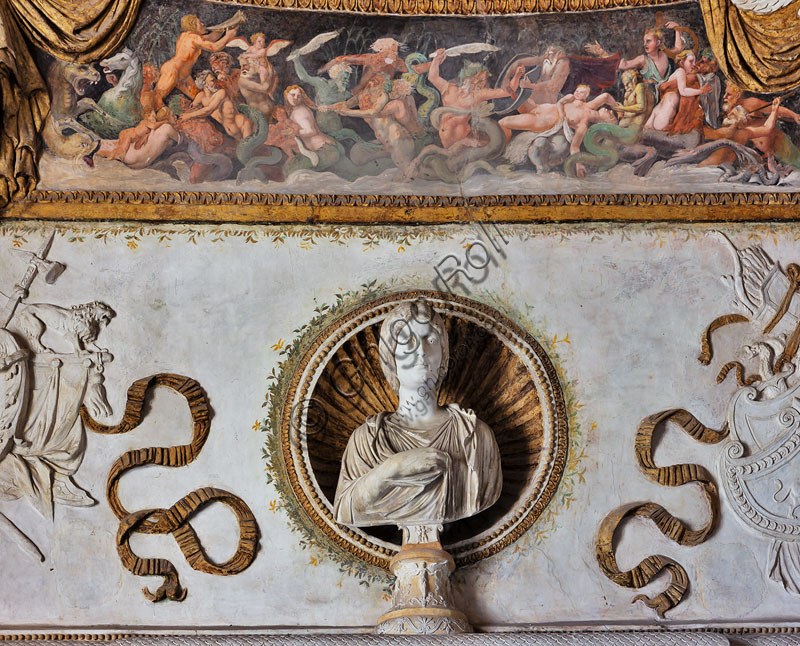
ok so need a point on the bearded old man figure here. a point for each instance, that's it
(424, 464)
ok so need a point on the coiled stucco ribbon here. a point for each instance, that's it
(673, 475)
(174, 520)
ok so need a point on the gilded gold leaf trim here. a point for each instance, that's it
(266, 208)
(449, 7)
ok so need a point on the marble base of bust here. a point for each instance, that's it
(422, 597)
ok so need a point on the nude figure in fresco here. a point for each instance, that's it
(255, 91)
(384, 59)
(213, 101)
(564, 122)
(460, 100)
(319, 151)
(222, 64)
(467, 131)
(637, 103)
(283, 133)
(140, 146)
(193, 41)
(580, 113)
(756, 108)
(555, 70)
(424, 464)
(679, 110)
(385, 106)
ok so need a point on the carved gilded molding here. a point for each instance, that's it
(175, 520)
(673, 475)
(449, 7)
(264, 208)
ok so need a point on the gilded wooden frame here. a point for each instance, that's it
(266, 208)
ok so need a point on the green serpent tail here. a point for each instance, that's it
(432, 96)
(601, 142)
(248, 145)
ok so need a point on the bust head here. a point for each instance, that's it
(414, 350)
(437, 464)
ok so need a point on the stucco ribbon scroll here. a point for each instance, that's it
(174, 520)
(673, 475)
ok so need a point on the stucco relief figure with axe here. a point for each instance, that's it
(43, 385)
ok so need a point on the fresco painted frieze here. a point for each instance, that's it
(223, 99)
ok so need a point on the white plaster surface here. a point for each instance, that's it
(632, 300)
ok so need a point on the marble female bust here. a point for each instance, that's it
(424, 464)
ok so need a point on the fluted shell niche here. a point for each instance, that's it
(495, 368)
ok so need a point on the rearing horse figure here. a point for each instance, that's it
(120, 106)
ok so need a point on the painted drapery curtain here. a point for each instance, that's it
(759, 52)
(85, 30)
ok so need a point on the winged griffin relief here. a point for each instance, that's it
(50, 365)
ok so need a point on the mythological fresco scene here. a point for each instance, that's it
(213, 97)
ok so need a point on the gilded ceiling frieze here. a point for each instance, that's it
(418, 112)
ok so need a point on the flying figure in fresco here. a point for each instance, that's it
(259, 52)
(367, 112)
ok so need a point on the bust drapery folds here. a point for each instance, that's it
(424, 464)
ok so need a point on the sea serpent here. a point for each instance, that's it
(601, 142)
(174, 520)
(460, 166)
(247, 146)
(220, 162)
(432, 96)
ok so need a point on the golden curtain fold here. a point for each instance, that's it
(758, 52)
(82, 30)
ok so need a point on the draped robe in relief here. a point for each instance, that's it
(472, 484)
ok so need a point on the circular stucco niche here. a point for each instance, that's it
(496, 368)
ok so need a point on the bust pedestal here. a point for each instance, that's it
(422, 599)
